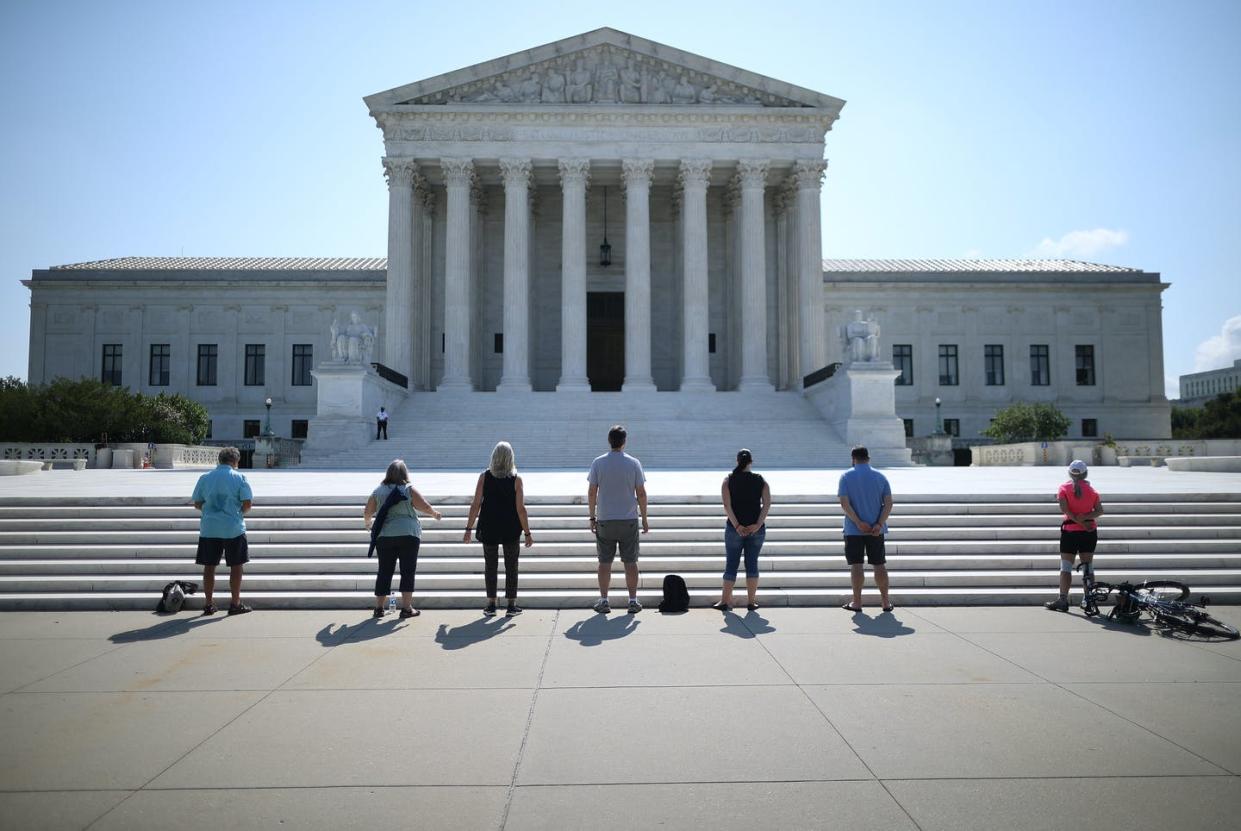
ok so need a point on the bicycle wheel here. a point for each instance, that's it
(1193, 621)
(1161, 590)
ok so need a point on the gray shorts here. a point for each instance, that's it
(617, 532)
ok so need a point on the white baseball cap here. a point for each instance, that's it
(1077, 467)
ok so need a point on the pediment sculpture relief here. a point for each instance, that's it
(604, 75)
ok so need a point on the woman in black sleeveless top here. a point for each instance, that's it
(500, 509)
(746, 500)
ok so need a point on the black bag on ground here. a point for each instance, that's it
(396, 495)
(173, 597)
(676, 595)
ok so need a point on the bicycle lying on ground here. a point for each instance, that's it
(1163, 601)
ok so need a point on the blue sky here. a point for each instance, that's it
(1106, 131)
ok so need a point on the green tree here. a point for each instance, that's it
(1185, 422)
(1221, 417)
(88, 410)
(1028, 422)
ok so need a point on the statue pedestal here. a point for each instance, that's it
(859, 401)
(349, 395)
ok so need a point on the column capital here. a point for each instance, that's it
(458, 172)
(637, 172)
(808, 174)
(516, 172)
(574, 172)
(399, 172)
(753, 172)
(694, 173)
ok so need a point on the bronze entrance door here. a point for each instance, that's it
(605, 340)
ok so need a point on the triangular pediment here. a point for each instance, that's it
(605, 67)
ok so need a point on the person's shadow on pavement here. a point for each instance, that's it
(476, 631)
(746, 626)
(164, 629)
(883, 625)
(595, 630)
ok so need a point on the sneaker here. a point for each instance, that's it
(1060, 604)
(634, 606)
(602, 606)
(513, 610)
(490, 609)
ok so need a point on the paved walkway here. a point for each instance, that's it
(939, 718)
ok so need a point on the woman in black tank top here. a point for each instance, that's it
(500, 508)
(746, 499)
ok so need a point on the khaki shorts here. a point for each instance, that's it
(612, 533)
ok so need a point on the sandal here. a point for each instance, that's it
(239, 609)
(407, 613)
(209, 609)
(721, 606)
(849, 607)
(753, 607)
(888, 608)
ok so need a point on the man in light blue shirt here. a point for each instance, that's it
(618, 491)
(223, 496)
(866, 499)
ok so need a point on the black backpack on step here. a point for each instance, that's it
(676, 595)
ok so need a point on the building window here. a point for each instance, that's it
(209, 426)
(1040, 365)
(948, 376)
(909, 427)
(110, 373)
(303, 362)
(498, 344)
(711, 342)
(207, 356)
(443, 341)
(993, 357)
(300, 428)
(1090, 428)
(952, 426)
(1085, 365)
(256, 360)
(903, 359)
(161, 359)
(250, 428)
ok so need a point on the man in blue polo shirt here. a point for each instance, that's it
(866, 499)
(223, 496)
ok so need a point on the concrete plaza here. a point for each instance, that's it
(934, 718)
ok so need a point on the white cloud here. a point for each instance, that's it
(1221, 350)
(1080, 244)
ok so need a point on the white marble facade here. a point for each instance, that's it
(499, 176)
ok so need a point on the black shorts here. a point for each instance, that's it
(1078, 542)
(235, 551)
(858, 544)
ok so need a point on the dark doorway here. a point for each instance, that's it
(605, 340)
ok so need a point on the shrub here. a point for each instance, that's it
(1028, 422)
(87, 410)
(1219, 418)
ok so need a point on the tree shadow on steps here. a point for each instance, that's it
(476, 631)
(598, 628)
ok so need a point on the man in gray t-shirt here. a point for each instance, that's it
(618, 491)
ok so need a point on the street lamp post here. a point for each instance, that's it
(939, 424)
(267, 427)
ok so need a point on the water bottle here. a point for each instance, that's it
(391, 601)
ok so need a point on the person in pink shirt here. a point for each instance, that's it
(1079, 534)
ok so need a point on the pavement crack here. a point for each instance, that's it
(525, 736)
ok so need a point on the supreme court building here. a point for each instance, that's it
(606, 214)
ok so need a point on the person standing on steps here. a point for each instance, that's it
(500, 507)
(618, 491)
(1079, 533)
(400, 535)
(747, 499)
(866, 499)
(223, 496)
(381, 424)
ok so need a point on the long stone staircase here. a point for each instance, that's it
(668, 430)
(310, 552)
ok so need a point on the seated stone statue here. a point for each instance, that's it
(354, 343)
(861, 340)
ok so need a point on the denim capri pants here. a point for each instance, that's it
(735, 545)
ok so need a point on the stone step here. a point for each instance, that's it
(572, 598)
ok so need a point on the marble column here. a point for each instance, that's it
(515, 376)
(695, 177)
(574, 176)
(637, 177)
(813, 353)
(754, 375)
(458, 177)
(398, 300)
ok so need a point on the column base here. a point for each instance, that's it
(573, 385)
(519, 385)
(638, 385)
(697, 385)
(755, 385)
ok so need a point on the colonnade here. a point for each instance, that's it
(693, 179)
